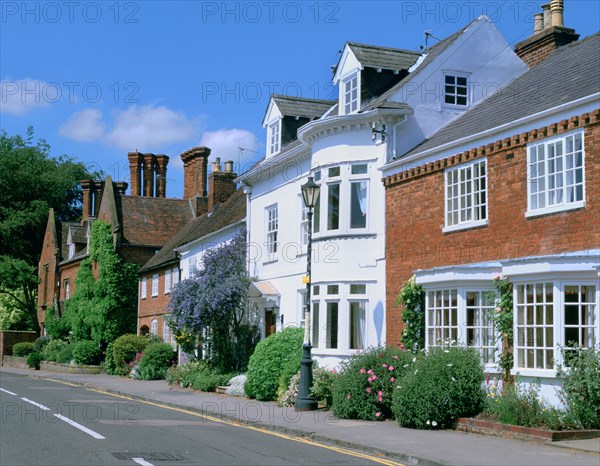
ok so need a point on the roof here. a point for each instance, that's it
(78, 234)
(64, 233)
(542, 87)
(229, 212)
(152, 221)
(431, 53)
(387, 58)
(301, 107)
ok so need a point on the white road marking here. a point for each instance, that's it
(142, 462)
(6, 391)
(80, 427)
(36, 404)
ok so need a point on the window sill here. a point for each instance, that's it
(540, 373)
(555, 209)
(269, 262)
(154, 296)
(465, 226)
(455, 107)
(343, 235)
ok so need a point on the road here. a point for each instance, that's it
(49, 423)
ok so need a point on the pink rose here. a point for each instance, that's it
(384, 365)
(392, 379)
(348, 396)
(379, 393)
(377, 414)
(362, 370)
(391, 368)
(395, 357)
(368, 389)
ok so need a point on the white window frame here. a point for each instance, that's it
(464, 196)
(167, 281)
(349, 85)
(358, 178)
(271, 231)
(167, 336)
(144, 287)
(175, 276)
(456, 329)
(303, 223)
(274, 135)
(67, 285)
(154, 327)
(558, 283)
(592, 327)
(456, 75)
(538, 172)
(154, 285)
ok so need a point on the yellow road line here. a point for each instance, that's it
(61, 381)
(258, 429)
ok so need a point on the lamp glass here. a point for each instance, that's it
(310, 192)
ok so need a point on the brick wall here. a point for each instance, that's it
(47, 267)
(154, 307)
(538, 47)
(10, 338)
(415, 213)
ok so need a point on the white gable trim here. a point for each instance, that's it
(348, 63)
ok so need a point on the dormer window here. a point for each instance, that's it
(350, 93)
(71, 250)
(456, 90)
(274, 137)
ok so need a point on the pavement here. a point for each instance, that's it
(385, 438)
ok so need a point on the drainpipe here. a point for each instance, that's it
(248, 192)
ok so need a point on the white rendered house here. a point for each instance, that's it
(390, 100)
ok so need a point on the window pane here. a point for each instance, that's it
(358, 204)
(333, 172)
(315, 325)
(332, 325)
(333, 289)
(359, 169)
(333, 207)
(358, 289)
(357, 325)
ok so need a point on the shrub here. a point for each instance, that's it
(34, 360)
(235, 386)
(581, 385)
(40, 343)
(157, 358)
(275, 355)
(66, 355)
(124, 350)
(412, 297)
(322, 388)
(182, 375)
(521, 406)
(207, 380)
(445, 384)
(23, 349)
(86, 352)
(52, 350)
(363, 389)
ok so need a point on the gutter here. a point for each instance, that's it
(213, 233)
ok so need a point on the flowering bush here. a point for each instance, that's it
(124, 350)
(235, 386)
(412, 297)
(275, 355)
(442, 386)
(363, 389)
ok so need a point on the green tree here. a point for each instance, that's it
(31, 182)
(18, 291)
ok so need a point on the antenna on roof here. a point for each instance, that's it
(242, 149)
(428, 34)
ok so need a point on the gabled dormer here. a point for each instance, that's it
(286, 114)
(76, 240)
(364, 72)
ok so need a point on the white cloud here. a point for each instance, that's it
(20, 96)
(147, 128)
(85, 125)
(226, 143)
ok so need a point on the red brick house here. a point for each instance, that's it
(142, 223)
(226, 213)
(509, 188)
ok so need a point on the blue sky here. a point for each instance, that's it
(99, 79)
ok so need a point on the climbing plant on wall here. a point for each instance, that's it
(103, 308)
(412, 297)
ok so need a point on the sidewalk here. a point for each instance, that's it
(386, 438)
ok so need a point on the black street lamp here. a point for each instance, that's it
(305, 401)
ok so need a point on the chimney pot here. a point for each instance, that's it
(216, 165)
(229, 166)
(195, 165)
(538, 24)
(557, 8)
(546, 13)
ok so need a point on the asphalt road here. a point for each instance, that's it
(49, 423)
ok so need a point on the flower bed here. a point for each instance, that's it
(482, 426)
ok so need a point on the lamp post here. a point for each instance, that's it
(305, 401)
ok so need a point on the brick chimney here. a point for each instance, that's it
(195, 168)
(86, 187)
(161, 175)
(149, 161)
(549, 33)
(220, 183)
(97, 190)
(135, 172)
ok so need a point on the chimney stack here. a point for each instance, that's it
(549, 33)
(161, 175)
(86, 187)
(221, 184)
(97, 190)
(149, 167)
(135, 172)
(195, 169)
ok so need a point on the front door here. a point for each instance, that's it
(269, 322)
